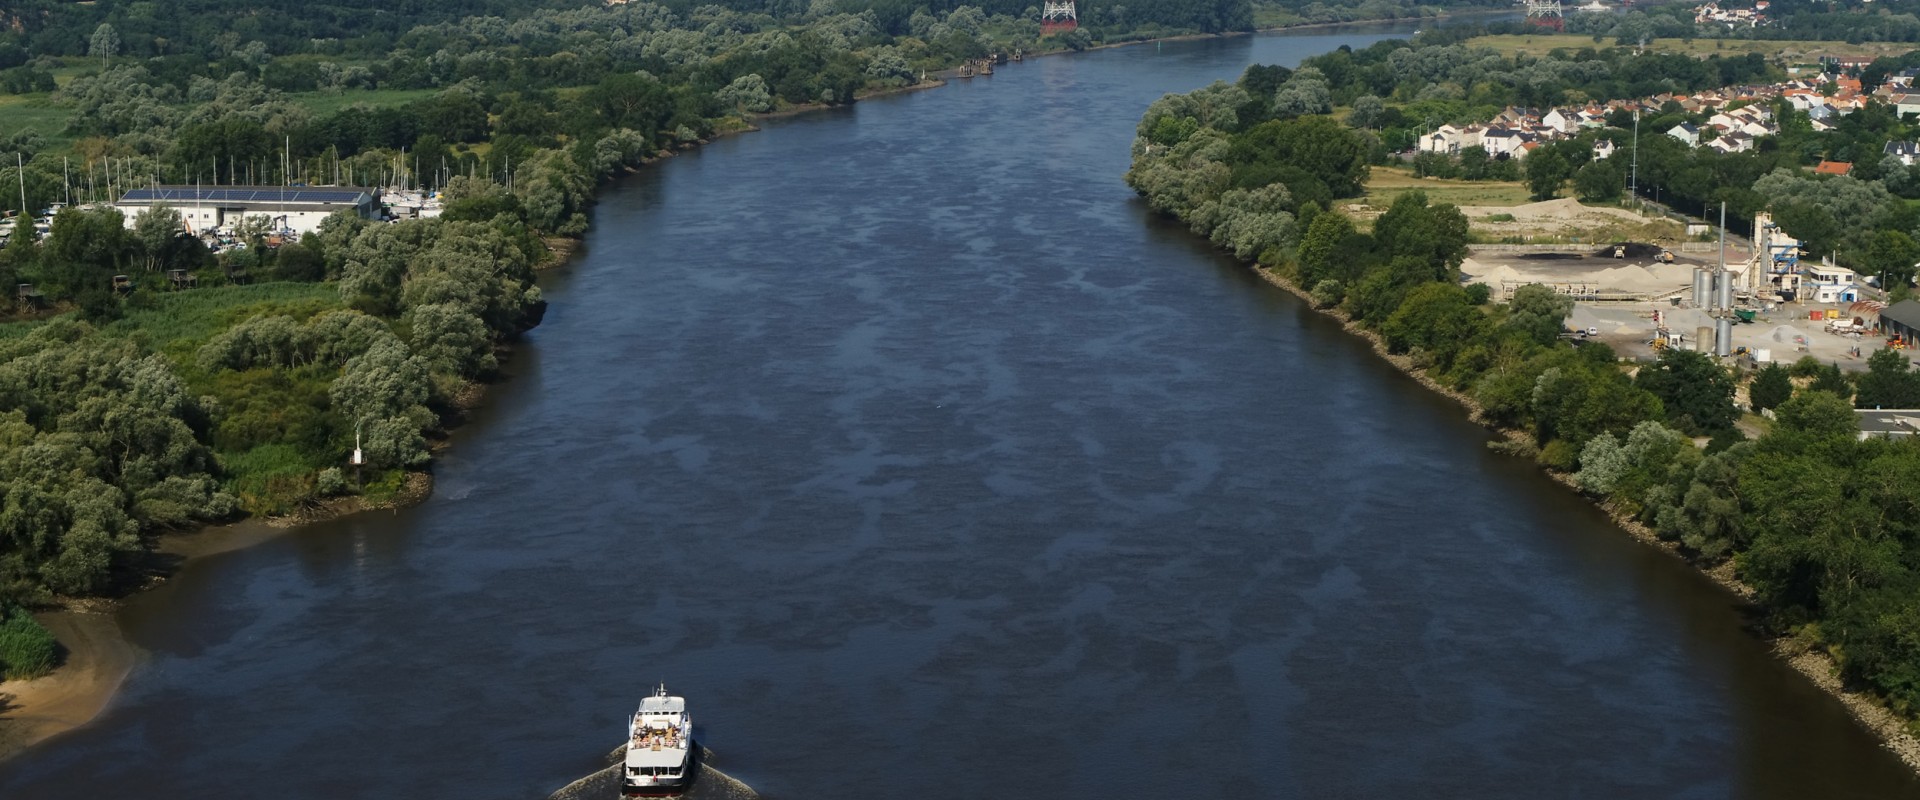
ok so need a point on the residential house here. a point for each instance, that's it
(1907, 152)
(1686, 132)
(1732, 142)
(1503, 142)
(1515, 117)
(1904, 104)
(1448, 139)
(1561, 121)
(1603, 149)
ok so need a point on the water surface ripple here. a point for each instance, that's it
(905, 443)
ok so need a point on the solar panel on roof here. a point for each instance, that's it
(250, 194)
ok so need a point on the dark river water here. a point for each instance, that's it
(908, 446)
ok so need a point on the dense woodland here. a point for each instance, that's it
(1822, 525)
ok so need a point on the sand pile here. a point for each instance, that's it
(1786, 333)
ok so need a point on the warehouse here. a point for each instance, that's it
(1902, 321)
(299, 209)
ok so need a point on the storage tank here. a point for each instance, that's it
(1723, 337)
(1723, 292)
(1702, 281)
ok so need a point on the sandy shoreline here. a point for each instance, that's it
(98, 659)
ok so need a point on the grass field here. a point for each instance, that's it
(1388, 183)
(36, 111)
(177, 323)
(1540, 44)
(322, 103)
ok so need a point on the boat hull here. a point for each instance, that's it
(674, 790)
(672, 787)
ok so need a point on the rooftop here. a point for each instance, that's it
(1905, 312)
(1888, 422)
(188, 195)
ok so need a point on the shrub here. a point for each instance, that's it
(1560, 455)
(27, 648)
(1328, 293)
(331, 482)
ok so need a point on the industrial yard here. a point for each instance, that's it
(1636, 300)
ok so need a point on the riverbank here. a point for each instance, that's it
(1819, 668)
(98, 659)
(98, 656)
(180, 550)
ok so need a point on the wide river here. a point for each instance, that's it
(925, 462)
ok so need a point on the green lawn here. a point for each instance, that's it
(36, 111)
(177, 323)
(1388, 183)
(322, 103)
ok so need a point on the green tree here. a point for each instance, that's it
(1818, 414)
(1696, 393)
(1546, 170)
(1771, 387)
(27, 650)
(747, 94)
(156, 230)
(1890, 382)
(1368, 111)
(1538, 312)
(1437, 318)
(1576, 402)
(1891, 255)
(1324, 249)
(1599, 181)
(1830, 379)
(104, 43)
(1435, 235)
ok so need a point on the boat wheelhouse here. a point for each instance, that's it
(660, 748)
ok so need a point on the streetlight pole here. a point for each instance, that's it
(1633, 179)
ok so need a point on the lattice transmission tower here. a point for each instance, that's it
(1546, 14)
(1057, 16)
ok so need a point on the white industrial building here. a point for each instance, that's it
(299, 208)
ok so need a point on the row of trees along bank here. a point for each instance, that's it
(1821, 525)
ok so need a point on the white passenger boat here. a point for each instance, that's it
(660, 748)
